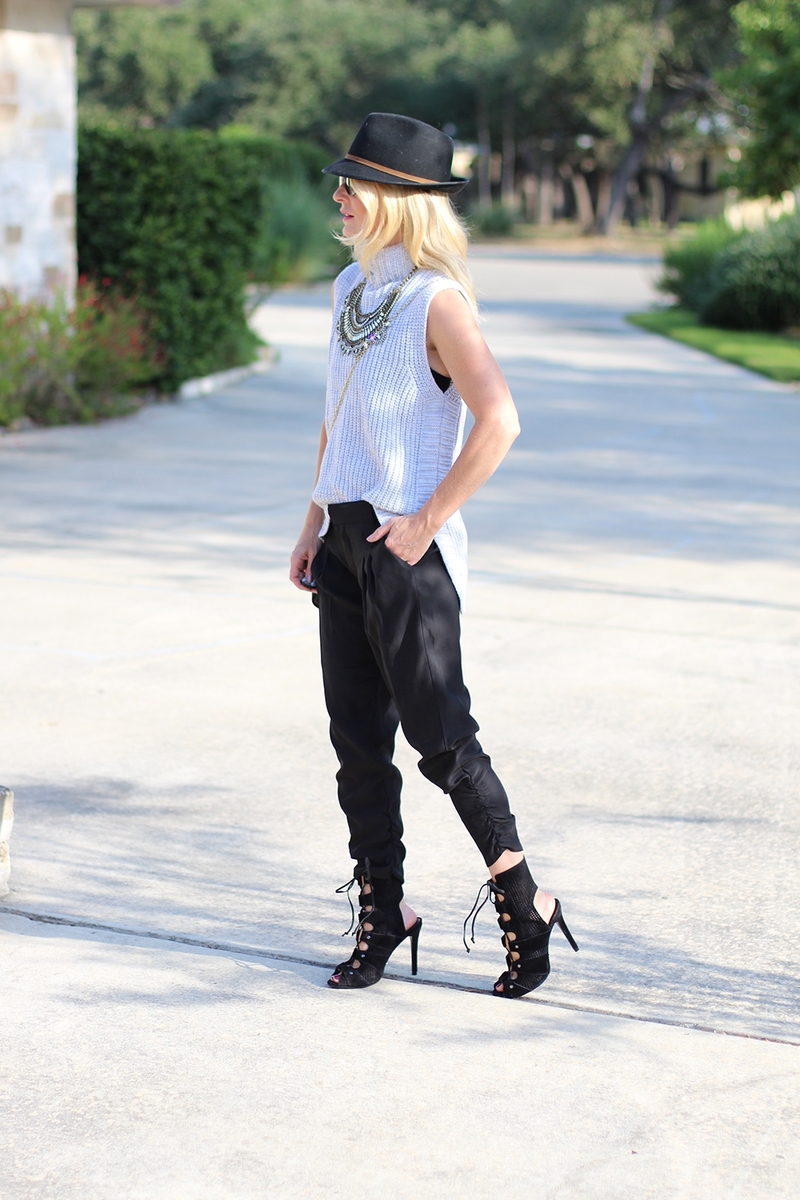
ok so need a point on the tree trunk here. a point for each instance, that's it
(655, 199)
(484, 138)
(671, 198)
(583, 199)
(530, 188)
(558, 197)
(546, 193)
(509, 153)
(624, 174)
(603, 200)
(641, 131)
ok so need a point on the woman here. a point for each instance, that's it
(384, 547)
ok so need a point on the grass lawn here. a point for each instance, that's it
(768, 353)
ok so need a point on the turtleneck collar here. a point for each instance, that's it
(389, 265)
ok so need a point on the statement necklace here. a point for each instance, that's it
(357, 330)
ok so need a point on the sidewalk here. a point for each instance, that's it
(631, 643)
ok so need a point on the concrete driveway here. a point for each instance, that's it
(631, 643)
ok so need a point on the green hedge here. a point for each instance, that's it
(687, 265)
(738, 280)
(173, 217)
(755, 283)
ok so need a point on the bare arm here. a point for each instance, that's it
(457, 348)
(309, 542)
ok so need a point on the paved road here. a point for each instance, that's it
(631, 644)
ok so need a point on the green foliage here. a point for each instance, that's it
(113, 350)
(496, 221)
(139, 64)
(172, 217)
(295, 242)
(688, 264)
(768, 80)
(61, 366)
(37, 351)
(601, 70)
(755, 282)
(290, 68)
(738, 280)
(771, 355)
(312, 68)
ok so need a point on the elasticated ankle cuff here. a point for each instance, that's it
(388, 889)
(388, 892)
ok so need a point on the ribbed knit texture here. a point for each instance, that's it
(397, 434)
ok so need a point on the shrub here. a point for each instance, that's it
(61, 366)
(687, 266)
(173, 217)
(37, 350)
(496, 221)
(15, 341)
(294, 242)
(755, 282)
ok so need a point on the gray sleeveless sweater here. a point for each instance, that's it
(397, 434)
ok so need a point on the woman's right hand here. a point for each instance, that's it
(303, 555)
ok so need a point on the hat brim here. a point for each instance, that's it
(353, 170)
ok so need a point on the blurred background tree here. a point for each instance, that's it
(767, 79)
(292, 68)
(591, 96)
(204, 128)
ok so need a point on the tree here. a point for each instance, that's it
(482, 56)
(577, 92)
(297, 68)
(768, 81)
(647, 61)
(139, 65)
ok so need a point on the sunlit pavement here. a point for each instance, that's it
(631, 644)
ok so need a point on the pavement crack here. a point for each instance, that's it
(234, 949)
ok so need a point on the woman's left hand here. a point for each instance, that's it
(408, 538)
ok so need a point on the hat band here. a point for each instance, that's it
(365, 162)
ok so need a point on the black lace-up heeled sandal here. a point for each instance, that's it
(526, 934)
(379, 930)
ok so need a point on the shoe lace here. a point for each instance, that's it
(345, 889)
(485, 892)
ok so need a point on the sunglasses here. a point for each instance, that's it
(347, 185)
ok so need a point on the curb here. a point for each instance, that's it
(190, 390)
(206, 384)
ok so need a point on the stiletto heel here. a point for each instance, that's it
(526, 934)
(379, 930)
(563, 926)
(413, 934)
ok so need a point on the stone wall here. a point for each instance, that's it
(37, 146)
(38, 142)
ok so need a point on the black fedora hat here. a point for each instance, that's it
(392, 149)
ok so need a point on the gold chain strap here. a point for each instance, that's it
(338, 408)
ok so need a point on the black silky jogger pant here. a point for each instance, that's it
(391, 654)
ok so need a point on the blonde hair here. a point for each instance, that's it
(432, 232)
